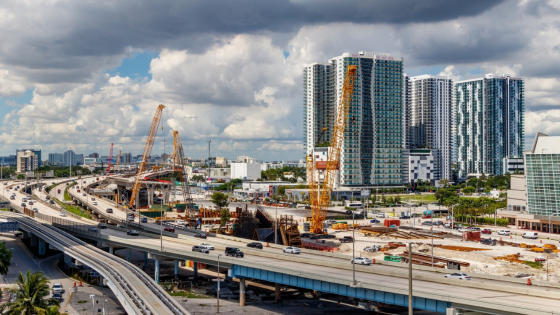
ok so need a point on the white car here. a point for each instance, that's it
(292, 250)
(361, 261)
(57, 288)
(94, 203)
(35, 209)
(181, 222)
(504, 232)
(458, 275)
(62, 214)
(207, 246)
(464, 229)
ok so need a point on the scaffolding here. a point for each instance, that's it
(289, 231)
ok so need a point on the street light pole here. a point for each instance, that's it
(353, 250)
(218, 290)
(161, 219)
(276, 225)
(410, 307)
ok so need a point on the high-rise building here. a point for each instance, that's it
(69, 158)
(56, 159)
(127, 158)
(489, 120)
(37, 154)
(406, 94)
(27, 161)
(371, 153)
(94, 155)
(430, 121)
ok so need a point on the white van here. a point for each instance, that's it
(380, 215)
(533, 235)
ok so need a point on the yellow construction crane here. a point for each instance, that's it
(180, 154)
(174, 157)
(145, 156)
(320, 193)
(118, 160)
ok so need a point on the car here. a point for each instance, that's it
(84, 194)
(292, 250)
(57, 288)
(57, 296)
(427, 217)
(94, 203)
(486, 231)
(404, 217)
(30, 202)
(458, 275)
(348, 211)
(93, 229)
(200, 235)
(488, 241)
(181, 222)
(361, 261)
(132, 233)
(120, 226)
(92, 198)
(200, 249)
(234, 252)
(102, 225)
(47, 197)
(427, 223)
(144, 220)
(533, 235)
(380, 215)
(23, 204)
(208, 246)
(62, 214)
(504, 232)
(475, 229)
(438, 223)
(255, 245)
(169, 229)
(35, 209)
(374, 221)
(464, 229)
(12, 198)
(51, 202)
(109, 210)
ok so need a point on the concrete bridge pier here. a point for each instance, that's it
(276, 292)
(128, 251)
(156, 275)
(195, 270)
(145, 260)
(111, 250)
(150, 189)
(176, 269)
(241, 291)
(33, 240)
(42, 247)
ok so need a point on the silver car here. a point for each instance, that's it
(361, 261)
(292, 250)
(458, 275)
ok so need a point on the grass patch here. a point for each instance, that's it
(189, 294)
(73, 209)
(67, 196)
(82, 302)
(533, 264)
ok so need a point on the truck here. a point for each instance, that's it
(346, 239)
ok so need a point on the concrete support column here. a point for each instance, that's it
(119, 195)
(156, 277)
(145, 260)
(42, 247)
(128, 250)
(195, 270)
(276, 292)
(242, 292)
(176, 268)
(33, 241)
(111, 250)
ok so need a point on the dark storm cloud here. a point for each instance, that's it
(64, 35)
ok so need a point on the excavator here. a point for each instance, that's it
(320, 193)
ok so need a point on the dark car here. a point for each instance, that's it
(427, 223)
(57, 296)
(30, 203)
(374, 221)
(488, 241)
(132, 233)
(348, 211)
(255, 245)
(144, 220)
(109, 210)
(169, 229)
(486, 231)
(404, 217)
(51, 202)
(200, 235)
(23, 205)
(102, 225)
(234, 252)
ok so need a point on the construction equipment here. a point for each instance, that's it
(118, 160)
(110, 159)
(145, 156)
(320, 194)
(178, 148)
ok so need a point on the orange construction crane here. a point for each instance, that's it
(320, 193)
(178, 148)
(145, 156)
(118, 160)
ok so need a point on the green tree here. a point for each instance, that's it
(20, 176)
(31, 295)
(469, 190)
(224, 216)
(53, 310)
(220, 200)
(5, 258)
(444, 193)
(444, 182)
(197, 178)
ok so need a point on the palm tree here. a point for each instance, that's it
(30, 293)
(5, 258)
(52, 310)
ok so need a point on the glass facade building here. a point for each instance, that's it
(488, 123)
(371, 154)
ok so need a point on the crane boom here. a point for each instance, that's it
(146, 155)
(180, 154)
(320, 199)
(110, 159)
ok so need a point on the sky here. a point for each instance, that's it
(84, 74)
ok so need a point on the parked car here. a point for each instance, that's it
(488, 241)
(84, 194)
(102, 225)
(458, 275)
(348, 211)
(200, 235)
(57, 288)
(208, 246)
(132, 233)
(255, 245)
(346, 239)
(200, 249)
(427, 223)
(380, 215)
(234, 252)
(292, 250)
(57, 296)
(404, 217)
(504, 232)
(374, 221)
(533, 235)
(361, 261)
(464, 229)
(169, 229)
(109, 210)
(486, 231)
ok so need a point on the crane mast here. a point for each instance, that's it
(118, 160)
(180, 154)
(320, 193)
(147, 151)
(110, 159)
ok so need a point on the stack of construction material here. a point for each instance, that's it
(472, 236)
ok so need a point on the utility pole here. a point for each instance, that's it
(209, 141)
(410, 300)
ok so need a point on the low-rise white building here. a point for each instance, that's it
(26, 161)
(245, 171)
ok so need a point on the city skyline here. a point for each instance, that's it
(249, 101)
